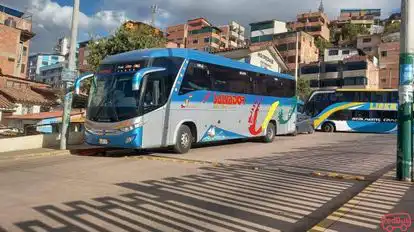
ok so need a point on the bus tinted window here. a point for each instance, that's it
(197, 77)
(230, 80)
(203, 76)
(173, 65)
(342, 115)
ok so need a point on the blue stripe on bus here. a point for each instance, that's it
(372, 127)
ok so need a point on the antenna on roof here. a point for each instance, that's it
(154, 10)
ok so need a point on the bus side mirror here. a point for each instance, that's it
(136, 80)
(78, 82)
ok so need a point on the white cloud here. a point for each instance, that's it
(52, 20)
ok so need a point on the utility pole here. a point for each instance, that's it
(154, 9)
(71, 76)
(405, 107)
(297, 60)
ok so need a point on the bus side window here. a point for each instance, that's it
(197, 77)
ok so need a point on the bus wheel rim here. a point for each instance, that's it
(184, 139)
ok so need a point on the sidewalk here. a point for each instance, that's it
(82, 149)
(365, 210)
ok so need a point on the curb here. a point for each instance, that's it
(35, 155)
(338, 176)
(176, 160)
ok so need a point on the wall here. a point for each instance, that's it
(373, 44)
(340, 56)
(9, 39)
(265, 60)
(38, 141)
(389, 64)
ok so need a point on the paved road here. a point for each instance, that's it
(260, 187)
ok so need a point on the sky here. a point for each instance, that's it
(52, 18)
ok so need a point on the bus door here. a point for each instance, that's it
(153, 100)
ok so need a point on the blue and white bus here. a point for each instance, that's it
(354, 110)
(176, 97)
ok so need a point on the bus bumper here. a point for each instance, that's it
(131, 139)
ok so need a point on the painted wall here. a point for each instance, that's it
(265, 60)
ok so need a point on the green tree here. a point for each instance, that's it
(351, 31)
(392, 27)
(322, 44)
(304, 89)
(123, 40)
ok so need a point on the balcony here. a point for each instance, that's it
(232, 44)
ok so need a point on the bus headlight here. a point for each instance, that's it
(130, 128)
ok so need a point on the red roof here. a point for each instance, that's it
(5, 104)
(40, 116)
(24, 96)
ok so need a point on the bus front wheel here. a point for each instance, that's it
(183, 140)
(270, 133)
(328, 127)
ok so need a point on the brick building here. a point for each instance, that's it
(15, 35)
(286, 45)
(389, 52)
(314, 23)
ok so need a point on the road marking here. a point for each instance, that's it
(34, 156)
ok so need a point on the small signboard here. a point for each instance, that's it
(68, 75)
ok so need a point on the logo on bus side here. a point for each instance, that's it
(224, 99)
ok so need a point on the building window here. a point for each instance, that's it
(345, 52)
(195, 41)
(333, 52)
(23, 68)
(366, 40)
(207, 49)
(16, 85)
(384, 53)
(207, 40)
(24, 51)
(367, 49)
(9, 84)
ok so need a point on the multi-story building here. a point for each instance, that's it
(83, 53)
(389, 52)
(62, 46)
(233, 34)
(204, 36)
(369, 44)
(314, 23)
(286, 45)
(337, 54)
(15, 35)
(264, 31)
(39, 60)
(178, 34)
(353, 72)
(52, 74)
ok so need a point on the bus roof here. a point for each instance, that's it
(191, 54)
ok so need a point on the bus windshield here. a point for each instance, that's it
(112, 98)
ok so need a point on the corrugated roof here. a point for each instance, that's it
(5, 104)
(24, 96)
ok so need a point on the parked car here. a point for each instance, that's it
(304, 122)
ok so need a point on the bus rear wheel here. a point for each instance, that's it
(328, 127)
(270, 133)
(184, 140)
